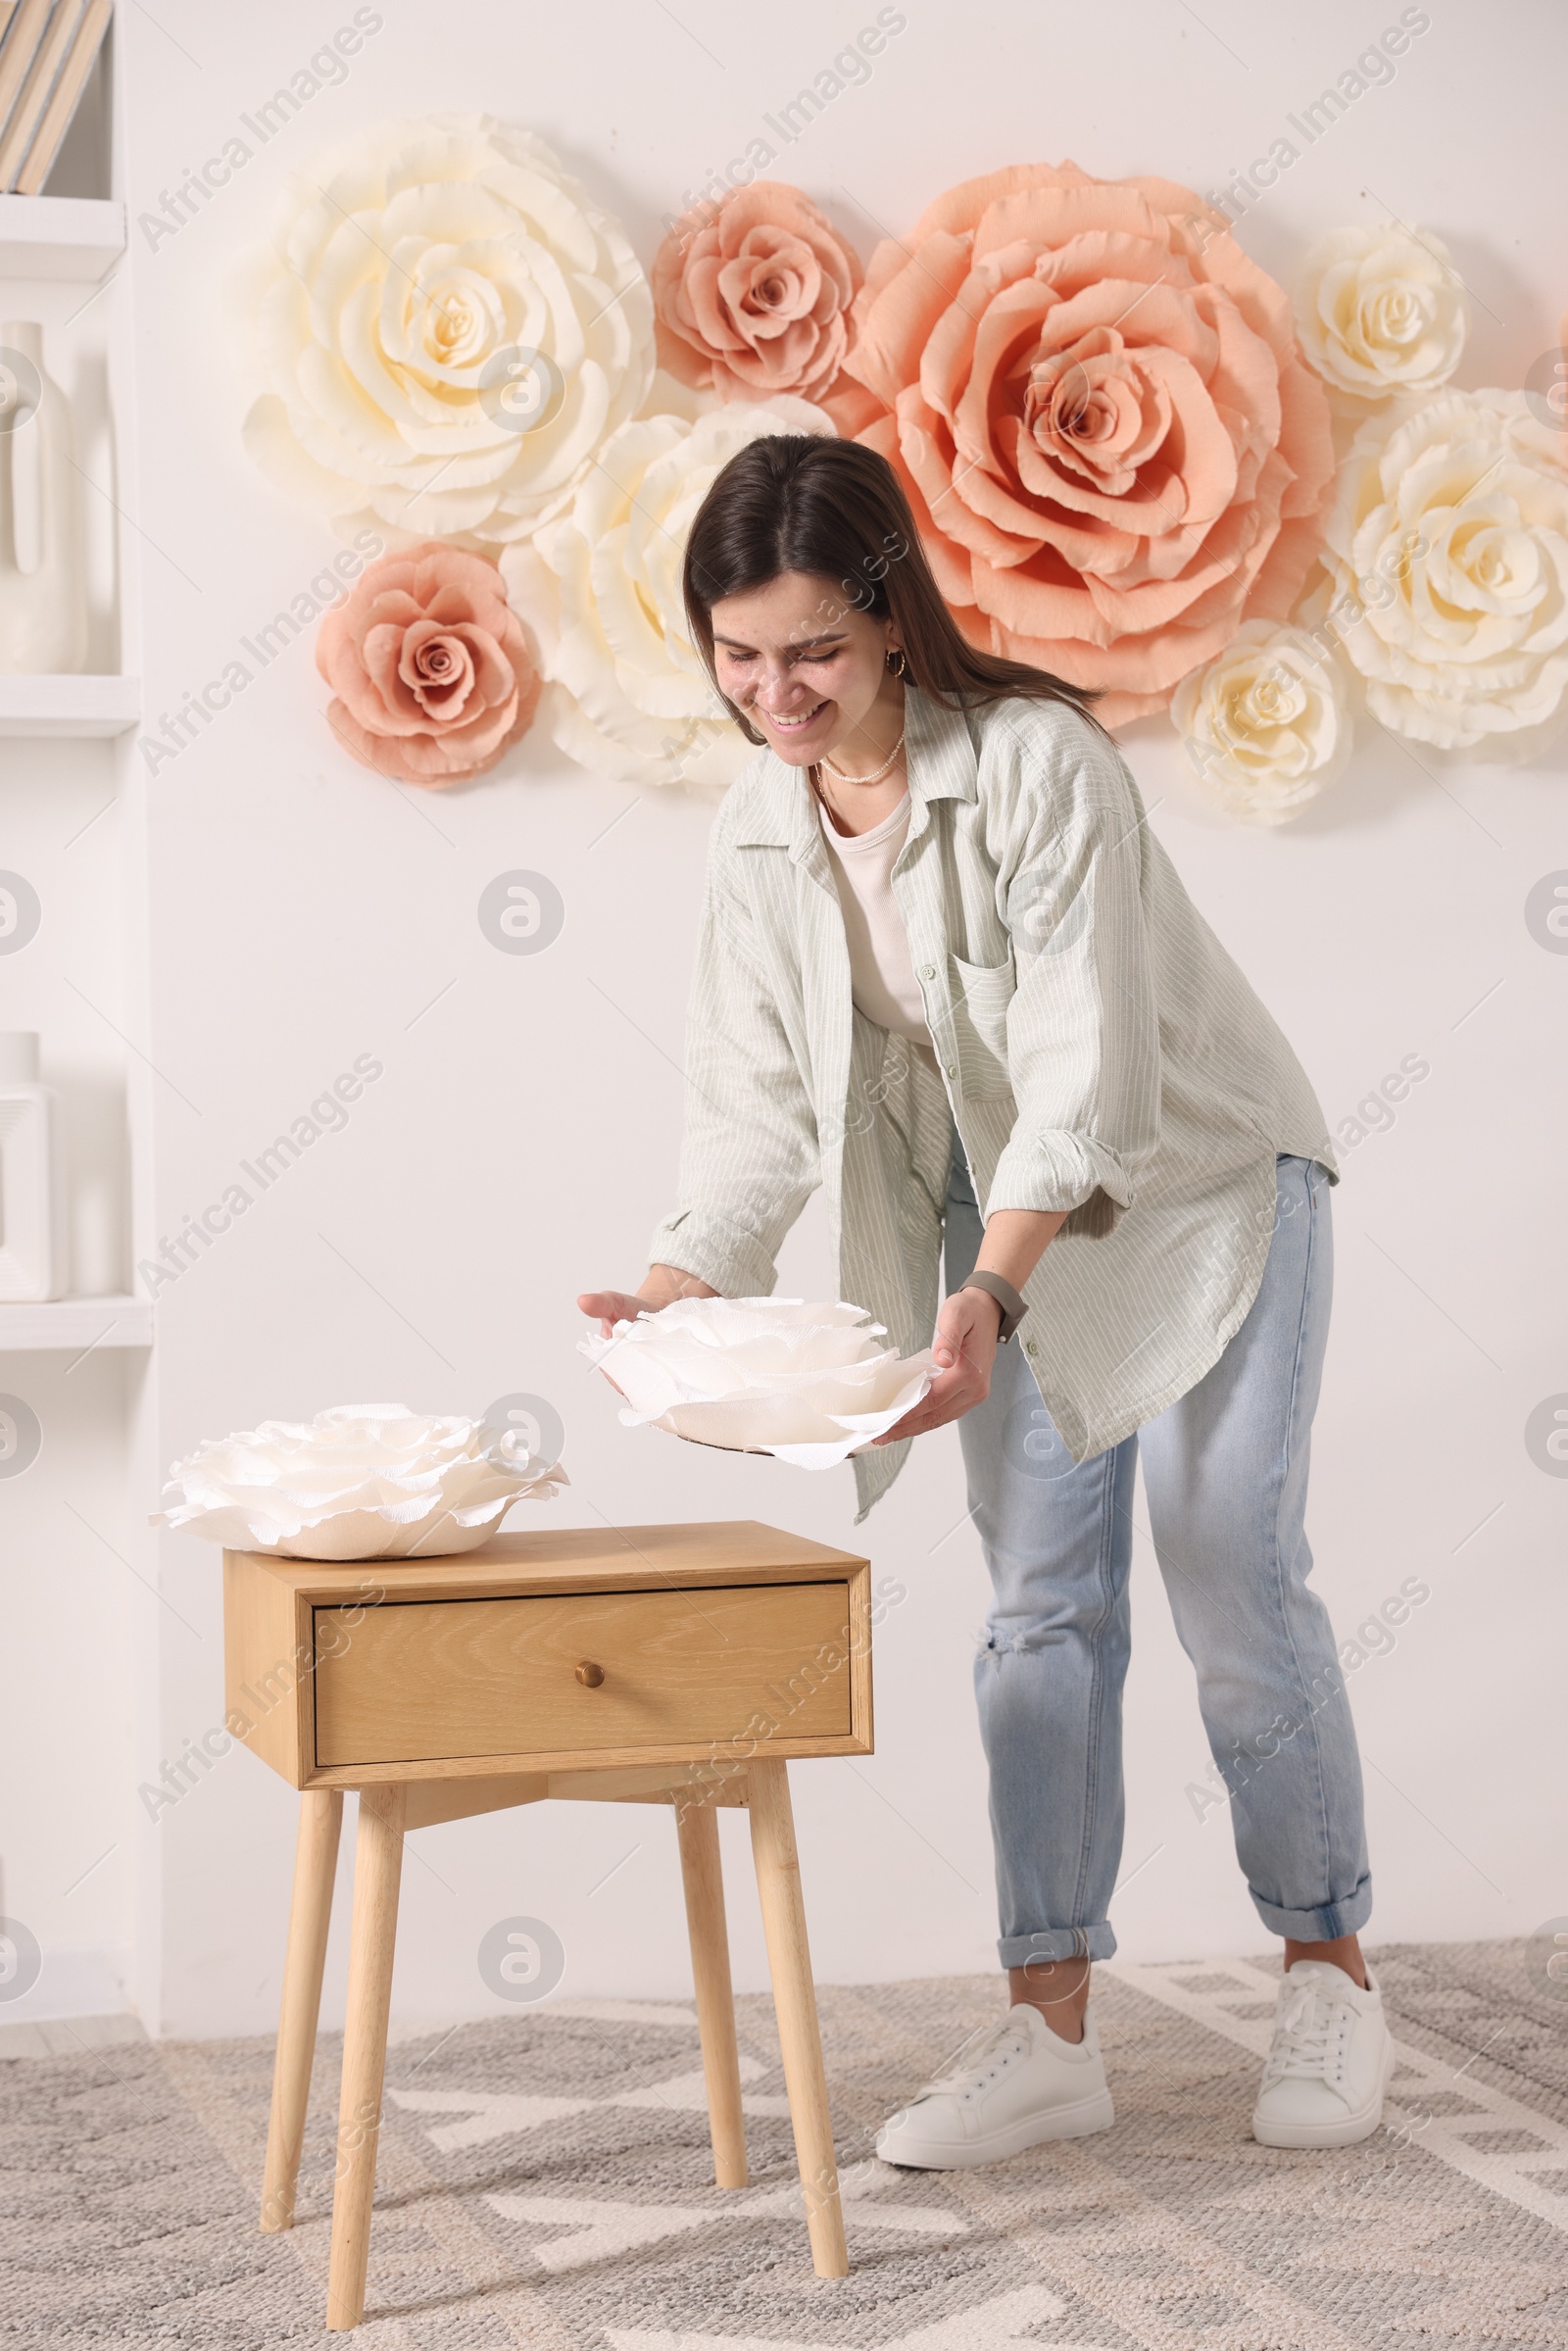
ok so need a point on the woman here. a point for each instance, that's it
(948, 972)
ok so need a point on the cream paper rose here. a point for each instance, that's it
(1265, 725)
(600, 593)
(1380, 311)
(448, 330)
(357, 1481)
(807, 1384)
(1447, 551)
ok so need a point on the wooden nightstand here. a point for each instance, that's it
(679, 1665)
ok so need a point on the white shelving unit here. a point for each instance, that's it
(35, 707)
(77, 238)
(78, 1324)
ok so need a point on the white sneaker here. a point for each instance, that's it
(1330, 2063)
(1012, 2086)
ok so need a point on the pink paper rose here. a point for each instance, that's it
(1099, 409)
(430, 667)
(752, 296)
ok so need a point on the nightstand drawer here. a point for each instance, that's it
(421, 1681)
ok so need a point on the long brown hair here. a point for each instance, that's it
(792, 501)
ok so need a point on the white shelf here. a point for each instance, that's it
(76, 1324)
(33, 705)
(76, 238)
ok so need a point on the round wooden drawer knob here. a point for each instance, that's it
(590, 1675)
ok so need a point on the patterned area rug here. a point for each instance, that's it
(545, 2181)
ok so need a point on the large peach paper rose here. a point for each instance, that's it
(751, 297)
(432, 673)
(1097, 404)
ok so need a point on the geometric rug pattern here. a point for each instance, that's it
(544, 2180)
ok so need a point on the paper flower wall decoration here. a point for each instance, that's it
(1096, 402)
(433, 675)
(807, 1384)
(751, 297)
(448, 328)
(1265, 726)
(1381, 311)
(600, 593)
(357, 1481)
(1448, 549)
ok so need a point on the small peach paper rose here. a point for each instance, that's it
(431, 670)
(1097, 404)
(752, 296)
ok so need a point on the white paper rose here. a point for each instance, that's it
(448, 328)
(805, 1382)
(357, 1481)
(1265, 725)
(1447, 548)
(600, 592)
(1381, 311)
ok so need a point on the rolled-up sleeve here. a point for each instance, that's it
(750, 1158)
(1083, 1027)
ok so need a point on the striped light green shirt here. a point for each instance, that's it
(1098, 1049)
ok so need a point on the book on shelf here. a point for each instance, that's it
(47, 50)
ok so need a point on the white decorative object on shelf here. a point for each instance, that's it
(357, 1481)
(43, 586)
(32, 1204)
(807, 1384)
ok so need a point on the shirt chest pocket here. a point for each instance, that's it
(980, 996)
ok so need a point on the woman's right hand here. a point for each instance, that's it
(611, 1306)
(663, 1285)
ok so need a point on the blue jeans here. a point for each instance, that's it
(1225, 1477)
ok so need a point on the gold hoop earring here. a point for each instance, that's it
(897, 661)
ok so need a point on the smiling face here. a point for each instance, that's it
(809, 670)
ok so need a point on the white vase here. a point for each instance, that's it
(32, 1193)
(43, 587)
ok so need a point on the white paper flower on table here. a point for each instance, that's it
(1381, 311)
(600, 593)
(1447, 544)
(807, 1384)
(357, 1481)
(1264, 725)
(448, 328)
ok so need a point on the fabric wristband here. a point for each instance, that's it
(1013, 1307)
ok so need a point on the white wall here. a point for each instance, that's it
(522, 1140)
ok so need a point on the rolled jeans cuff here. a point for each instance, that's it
(1058, 1942)
(1321, 1926)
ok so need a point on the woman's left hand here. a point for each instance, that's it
(964, 1351)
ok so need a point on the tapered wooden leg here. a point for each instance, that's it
(697, 1826)
(377, 1874)
(309, 1915)
(789, 1959)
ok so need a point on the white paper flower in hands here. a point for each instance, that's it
(1380, 311)
(807, 1384)
(448, 328)
(1447, 547)
(1265, 725)
(600, 592)
(357, 1481)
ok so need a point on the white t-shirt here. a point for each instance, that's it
(882, 981)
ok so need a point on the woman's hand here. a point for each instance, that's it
(663, 1286)
(611, 1306)
(964, 1351)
